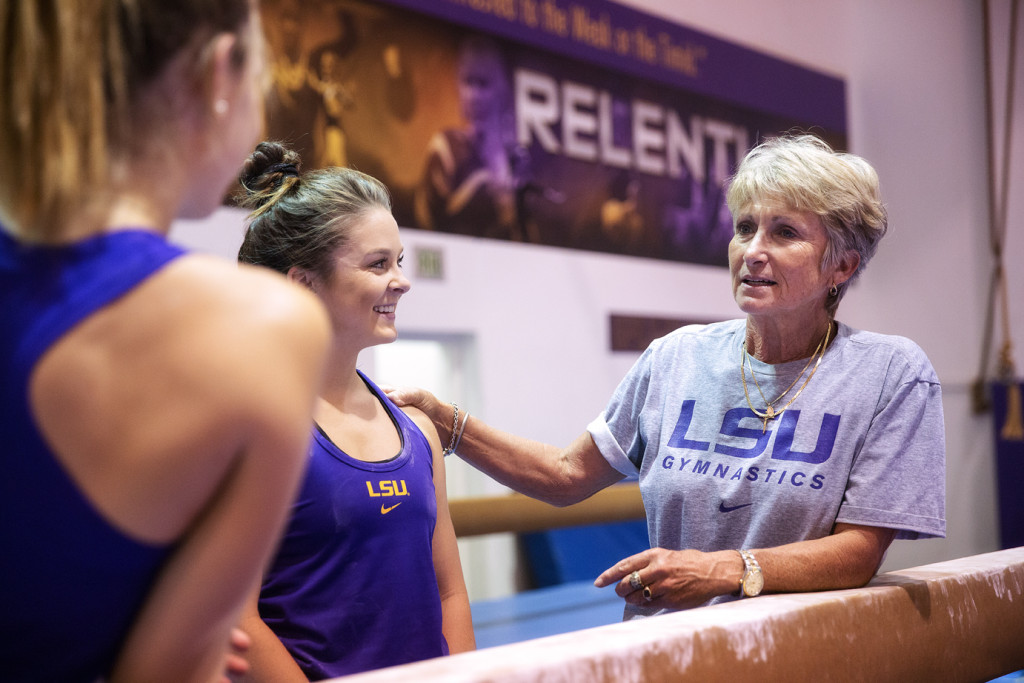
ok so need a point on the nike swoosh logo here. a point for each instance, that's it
(722, 507)
(385, 510)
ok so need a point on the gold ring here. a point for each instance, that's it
(647, 594)
(635, 582)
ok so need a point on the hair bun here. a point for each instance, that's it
(264, 174)
(285, 169)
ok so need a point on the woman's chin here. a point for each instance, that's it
(386, 336)
(755, 305)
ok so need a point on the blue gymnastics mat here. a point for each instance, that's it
(545, 612)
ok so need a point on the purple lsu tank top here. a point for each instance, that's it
(353, 587)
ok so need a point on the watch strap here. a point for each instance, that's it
(751, 572)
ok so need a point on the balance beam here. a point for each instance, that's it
(516, 513)
(961, 620)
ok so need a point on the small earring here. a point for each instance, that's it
(220, 107)
(834, 291)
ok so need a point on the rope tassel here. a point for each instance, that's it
(1013, 427)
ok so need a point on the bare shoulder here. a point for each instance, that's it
(237, 315)
(204, 365)
(249, 327)
(426, 426)
(246, 295)
(202, 326)
(227, 346)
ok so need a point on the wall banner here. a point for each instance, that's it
(570, 123)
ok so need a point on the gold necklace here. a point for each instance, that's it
(778, 398)
(770, 412)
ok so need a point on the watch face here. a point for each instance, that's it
(753, 582)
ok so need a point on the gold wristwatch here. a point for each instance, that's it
(752, 581)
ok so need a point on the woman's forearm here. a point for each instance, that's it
(537, 469)
(848, 558)
(269, 660)
(457, 622)
(559, 476)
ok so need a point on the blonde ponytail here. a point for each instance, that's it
(70, 73)
(61, 73)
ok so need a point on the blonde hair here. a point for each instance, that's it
(69, 75)
(805, 173)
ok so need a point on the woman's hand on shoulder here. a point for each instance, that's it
(413, 397)
(420, 402)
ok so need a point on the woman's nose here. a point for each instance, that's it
(400, 281)
(755, 247)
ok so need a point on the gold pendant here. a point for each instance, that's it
(770, 413)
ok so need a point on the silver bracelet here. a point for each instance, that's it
(455, 428)
(462, 430)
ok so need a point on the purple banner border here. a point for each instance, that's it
(702, 64)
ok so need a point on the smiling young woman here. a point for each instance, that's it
(369, 559)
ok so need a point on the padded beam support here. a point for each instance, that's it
(519, 514)
(961, 620)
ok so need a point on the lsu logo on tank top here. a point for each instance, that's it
(390, 488)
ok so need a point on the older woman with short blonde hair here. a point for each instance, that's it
(782, 451)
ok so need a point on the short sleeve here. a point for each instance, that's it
(616, 431)
(898, 477)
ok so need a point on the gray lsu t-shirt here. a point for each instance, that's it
(862, 444)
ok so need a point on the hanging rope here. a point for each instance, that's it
(998, 201)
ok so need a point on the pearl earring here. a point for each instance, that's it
(220, 107)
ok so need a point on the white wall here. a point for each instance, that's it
(539, 315)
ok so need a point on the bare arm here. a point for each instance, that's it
(269, 660)
(456, 619)
(556, 476)
(182, 632)
(679, 579)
